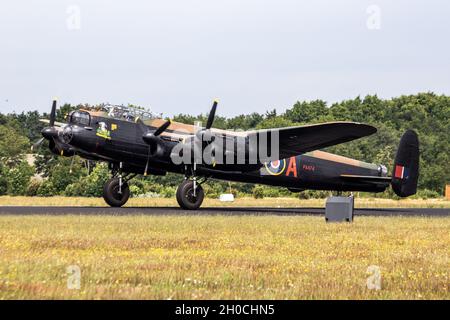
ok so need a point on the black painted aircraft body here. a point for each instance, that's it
(135, 142)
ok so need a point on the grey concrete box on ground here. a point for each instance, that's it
(339, 209)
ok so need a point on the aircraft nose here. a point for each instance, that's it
(49, 133)
(79, 137)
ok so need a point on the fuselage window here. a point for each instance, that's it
(80, 118)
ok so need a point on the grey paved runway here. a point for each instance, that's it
(215, 211)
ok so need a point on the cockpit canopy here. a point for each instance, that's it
(128, 113)
(81, 118)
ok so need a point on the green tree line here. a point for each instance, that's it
(426, 113)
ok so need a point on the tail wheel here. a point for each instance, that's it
(114, 195)
(186, 198)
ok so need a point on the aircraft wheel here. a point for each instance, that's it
(186, 198)
(111, 193)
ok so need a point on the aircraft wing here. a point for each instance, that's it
(294, 141)
(56, 124)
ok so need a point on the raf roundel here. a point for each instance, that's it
(276, 167)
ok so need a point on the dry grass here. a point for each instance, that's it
(240, 202)
(203, 257)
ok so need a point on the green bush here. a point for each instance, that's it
(168, 192)
(91, 185)
(152, 188)
(33, 187)
(18, 178)
(137, 187)
(46, 189)
(427, 194)
(213, 190)
(3, 180)
(321, 194)
(271, 192)
(314, 194)
(60, 175)
(135, 191)
(258, 192)
(12, 143)
(74, 190)
(304, 195)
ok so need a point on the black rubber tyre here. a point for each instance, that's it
(185, 195)
(111, 193)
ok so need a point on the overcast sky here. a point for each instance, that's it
(254, 55)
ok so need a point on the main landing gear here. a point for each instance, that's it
(116, 191)
(188, 197)
(190, 193)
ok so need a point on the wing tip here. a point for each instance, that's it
(370, 129)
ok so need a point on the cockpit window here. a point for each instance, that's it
(81, 118)
(128, 113)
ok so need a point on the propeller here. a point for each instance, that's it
(211, 116)
(162, 128)
(71, 165)
(152, 138)
(209, 122)
(88, 166)
(37, 144)
(203, 136)
(53, 114)
(49, 132)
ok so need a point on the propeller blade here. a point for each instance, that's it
(88, 166)
(211, 116)
(53, 114)
(162, 128)
(71, 165)
(148, 161)
(37, 144)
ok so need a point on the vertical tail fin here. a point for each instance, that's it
(406, 166)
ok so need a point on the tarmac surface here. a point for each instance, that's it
(155, 211)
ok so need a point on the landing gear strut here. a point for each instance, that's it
(116, 191)
(190, 193)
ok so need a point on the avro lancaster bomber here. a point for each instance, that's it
(136, 142)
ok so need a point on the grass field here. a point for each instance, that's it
(202, 257)
(239, 202)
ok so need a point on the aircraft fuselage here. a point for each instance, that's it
(120, 141)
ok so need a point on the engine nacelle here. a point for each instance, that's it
(157, 148)
(61, 150)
